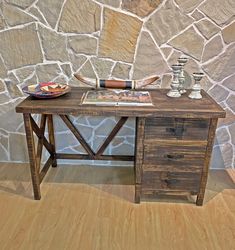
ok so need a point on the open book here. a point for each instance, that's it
(116, 97)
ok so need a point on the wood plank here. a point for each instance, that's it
(163, 180)
(174, 155)
(176, 128)
(32, 156)
(80, 210)
(52, 138)
(139, 148)
(39, 134)
(40, 140)
(101, 157)
(46, 168)
(211, 138)
(163, 106)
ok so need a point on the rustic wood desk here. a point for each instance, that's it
(174, 140)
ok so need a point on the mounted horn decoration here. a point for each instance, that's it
(117, 84)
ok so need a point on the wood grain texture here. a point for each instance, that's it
(175, 135)
(173, 154)
(34, 168)
(164, 106)
(86, 207)
(176, 128)
(40, 140)
(139, 148)
(51, 132)
(168, 180)
(211, 138)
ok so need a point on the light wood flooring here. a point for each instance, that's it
(92, 208)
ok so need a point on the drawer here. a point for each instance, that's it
(181, 155)
(171, 181)
(176, 128)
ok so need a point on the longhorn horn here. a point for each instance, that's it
(138, 84)
(89, 81)
(144, 82)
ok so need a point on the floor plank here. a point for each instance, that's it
(86, 207)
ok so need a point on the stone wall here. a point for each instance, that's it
(47, 40)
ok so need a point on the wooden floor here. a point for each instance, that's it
(92, 208)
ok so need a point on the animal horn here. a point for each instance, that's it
(138, 84)
(89, 81)
(144, 82)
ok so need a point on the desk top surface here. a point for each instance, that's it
(164, 106)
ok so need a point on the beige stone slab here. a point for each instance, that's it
(3, 70)
(2, 86)
(166, 51)
(77, 61)
(141, 8)
(114, 3)
(20, 3)
(2, 22)
(167, 22)
(102, 67)
(80, 17)
(222, 66)
(35, 12)
(189, 42)
(219, 13)
(222, 136)
(219, 93)
(11, 84)
(87, 70)
(54, 45)
(197, 15)
(231, 102)
(232, 133)
(66, 68)
(50, 10)
(121, 71)
(15, 44)
(212, 48)
(24, 72)
(119, 36)
(14, 16)
(82, 44)
(29, 81)
(149, 60)
(230, 83)
(229, 33)
(188, 5)
(207, 28)
(47, 72)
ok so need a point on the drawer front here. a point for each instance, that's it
(176, 128)
(171, 181)
(182, 156)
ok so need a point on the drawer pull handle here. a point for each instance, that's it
(176, 131)
(174, 157)
(172, 181)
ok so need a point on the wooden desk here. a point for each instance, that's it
(174, 140)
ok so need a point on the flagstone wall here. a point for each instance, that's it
(47, 40)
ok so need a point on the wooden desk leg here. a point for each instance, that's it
(32, 157)
(210, 142)
(139, 152)
(52, 138)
